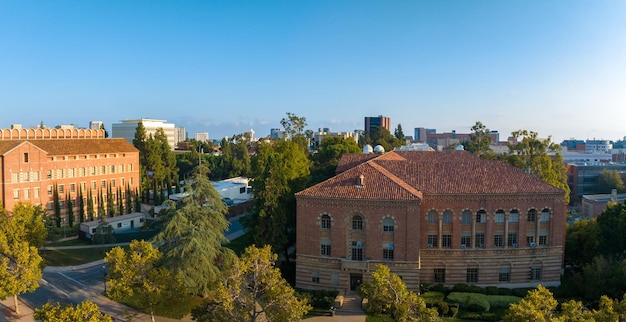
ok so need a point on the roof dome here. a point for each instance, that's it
(379, 149)
(367, 149)
(460, 147)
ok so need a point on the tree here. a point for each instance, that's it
(293, 125)
(327, 157)
(27, 222)
(192, 238)
(279, 170)
(90, 210)
(386, 293)
(539, 305)
(530, 153)
(20, 263)
(57, 205)
(106, 134)
(86, 311)
(612, 225)
(252, 288)
(398, 133)
(136, 277)
(81, 205)
(381, 136)
(104, 233)
(70, 210)
(479, 142)
(608, 180)
(582, 242)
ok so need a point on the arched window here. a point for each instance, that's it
(466, 217)
(432, 217)
(357, 223)
(532, 215)
(447, 217)
(499, 217)
(545, 215)
(325, 222)
(388, 225)
(514, 216)
(481, 217)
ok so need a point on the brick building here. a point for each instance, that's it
(431, 217)
(32, 168)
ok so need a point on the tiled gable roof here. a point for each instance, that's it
(73, 146)
(348, 161)
(408, 174)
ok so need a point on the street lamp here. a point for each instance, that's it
(104, 278)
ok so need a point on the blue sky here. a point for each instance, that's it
(554, 67)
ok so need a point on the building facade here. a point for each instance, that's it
(202, 136)
(431, 217)
(372, 122)
(127, 129)
(32, 170)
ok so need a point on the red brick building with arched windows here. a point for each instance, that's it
(431, 217)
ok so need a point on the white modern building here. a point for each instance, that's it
(181, 135)
(95, 125)
(127, 129)
(202, 136)
(321, 133)
(120, 224)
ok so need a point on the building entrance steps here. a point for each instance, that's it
(351, 305)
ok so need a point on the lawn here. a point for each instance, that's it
(72, 257)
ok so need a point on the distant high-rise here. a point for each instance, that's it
(95, 125)
(202, 136)
(181, 135)
(372, 122)
(127, 129)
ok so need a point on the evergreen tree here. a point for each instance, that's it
(57, 205)
(81, 205)
(110, 201)
(90, 208)
(70, 210)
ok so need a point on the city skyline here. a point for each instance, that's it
(553, 67)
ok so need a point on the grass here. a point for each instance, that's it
(238, 245)
(70, 242)
(72, 257)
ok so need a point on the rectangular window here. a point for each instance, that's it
(480, 240)
(83, 186)
(112, 183)
(61, 188)
(466, 241)
(512, 240)
(466, 217)
(59, 173)
(50, 205)
(532, 216)
(543, 240)
(15, 177)
(498, 240)
(513, 217)
(480, 218)
(504, 274)
(499, 218)
(446, 241)
(26, 157)
(49, 174)
(357, 251)
(472, 275)
(103, 184)
(242, 190)
(315, 277)
(16, 194)
(36, 176)
(49, 190)
(93, 171)
(112, 169)
(81, 172)
(325, 249)
(36, 193)
(72, 187)
(545, 216)
(93, 185)
(103, 169)
(122, 168)
(530, 240)
(334, 279)
(535, 274)
(440, 275)
(26, 193)
(432, 241)
(388, 253)
(122, 183)
(119, 225)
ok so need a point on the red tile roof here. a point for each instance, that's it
(73, 146)
(406, 175)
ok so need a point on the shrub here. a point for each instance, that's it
(470, 301)
(321, 299)
(520, 292)
(504, 291)
(433, 297)
(502, 301)
(491, 290)
(454, 310)
(464, 288)
(439, 288)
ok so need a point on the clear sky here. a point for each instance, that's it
(224, 67)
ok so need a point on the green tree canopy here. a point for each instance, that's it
(27, 222)
(328, 154)
(381, 136)
(192, 237)
(86, 311)
(398, 133)
(608, 180)
(479, 142)
(386, 293)
(253, 289)
(539, 306)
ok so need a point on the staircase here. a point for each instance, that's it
(351, 305)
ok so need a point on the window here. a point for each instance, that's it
(112, 169)
(543, 240)
(62, 204)
(16, 194)
(49, 174)
(432, 217)
(26, 193)
(103, 184)
(334, 279)
(81, 172)
(472, 275)
(512, 240)
(315, 277)
(481, 217)
(83, 186)
(15, 177)
(498, 240)
(242, 190)
(325, 248)
(388, 225)
(447, 217)
(72, 187)
(535, 273)
(504, 274)
(466, 240)
(432, 241)
(480, 240)
(122, 168)
(499, 217)
(513, 216)
(70, 173)
(112, 183)
(532, 215)
(388, 252)
(446, 241)
(50, 205)
(36, 193)
(545, 215)
(119, 225)
(440, 275)
(530, 239)
(466, 217)
(93, 185)
(93, 171)
(61, 188)
(357, 223)
(49, 190)
(26, 157)
(325, 222)
(103, 169)
(60, 174)
(122, 182)
(357, 251)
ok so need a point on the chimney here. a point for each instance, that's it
(361, 181)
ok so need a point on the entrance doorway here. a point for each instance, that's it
(355, 281)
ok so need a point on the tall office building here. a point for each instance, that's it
(181, 134)
(127, 129)
(95, 125)
(372, 122)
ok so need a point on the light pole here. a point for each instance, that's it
(104, 278)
